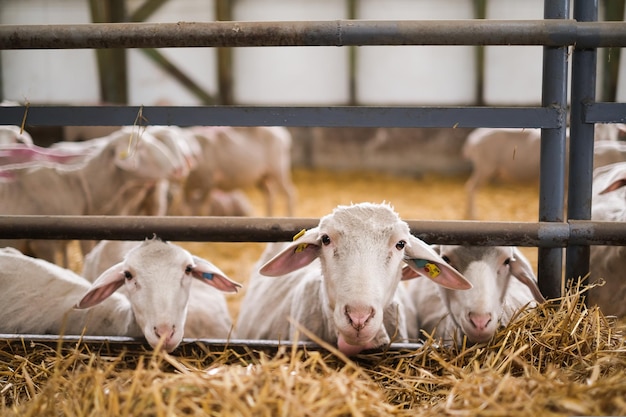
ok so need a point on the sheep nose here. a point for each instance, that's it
(359, 316)
(480, 321)
(165, 331)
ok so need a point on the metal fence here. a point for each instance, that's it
(557, 33)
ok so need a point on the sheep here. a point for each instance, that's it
(238, 157)
(607, 152)
(10, 135)
(609, 262)
(347, 297)
(207, 311)
(38, 297)
(156, 277)
(513, 155)
(95, 187)
(502, 281)
(229, 203)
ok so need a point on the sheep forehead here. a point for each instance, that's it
(158, 256)
(462, 256)
(363, 219)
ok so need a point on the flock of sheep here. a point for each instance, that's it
(358, 280)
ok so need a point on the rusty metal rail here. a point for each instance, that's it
(555, 32)
(262, 229)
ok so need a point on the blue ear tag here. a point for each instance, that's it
(430, 268)
(208, 276)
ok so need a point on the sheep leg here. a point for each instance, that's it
(473, 183)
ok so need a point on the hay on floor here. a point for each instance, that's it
(559, 359)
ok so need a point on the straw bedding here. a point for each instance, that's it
(559, 359)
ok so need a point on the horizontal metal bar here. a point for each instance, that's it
(557, 32)
(262, 229)
(604, 113)
(340, 116)
(129, 344)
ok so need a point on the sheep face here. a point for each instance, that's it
(362, 249)
(157, 278)
(479, 311)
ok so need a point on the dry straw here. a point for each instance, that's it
(558, 359)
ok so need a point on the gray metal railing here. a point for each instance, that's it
(557, 33)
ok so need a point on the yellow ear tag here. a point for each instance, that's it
(299, 234)
(432, 269)
(301, 246)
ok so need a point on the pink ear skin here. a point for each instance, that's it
(210, 274)
(295, 256)
(103, 287)
(408, 273)
(425, 261)
(439, 272)
(304, 249)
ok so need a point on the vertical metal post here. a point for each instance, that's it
(581, 140)
(609, 60)
(225, 78)
(553, 153)
(480, 12)
(353, 11)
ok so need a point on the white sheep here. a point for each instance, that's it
(513, 156)
(38, 297)
(156, 276)
(502, 281)
(10, 135)
(207, 311)
(95, 187)
(240, 157)
(609, 262)
(339, 280)
(229, 203)
(607, 152)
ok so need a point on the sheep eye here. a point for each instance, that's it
(445, 258)
(507, 261)
(189, 269)
(128, 275)
(325, 240)
(400, 245)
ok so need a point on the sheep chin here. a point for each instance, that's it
(351, 350)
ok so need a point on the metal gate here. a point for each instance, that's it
(556, 33)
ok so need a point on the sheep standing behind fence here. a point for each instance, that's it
(240, 157)
(609, 262)
(502, 283)
(95, 187)
(207, 314)
(339, 280)
(513, 156)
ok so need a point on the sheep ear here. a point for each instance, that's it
(103, 287)
(301, 252)
(210, 274)
(423, 260)
(523, 271)
(409, 273)
(617, 184)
